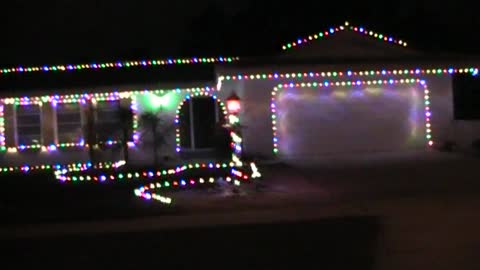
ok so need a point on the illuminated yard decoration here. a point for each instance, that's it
(142, 174)
(345, 27)
(58, 167)
(208, 93)
(317, 85)
(66, 174)
(118, 64)
(149, 191)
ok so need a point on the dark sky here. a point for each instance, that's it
(54, 32)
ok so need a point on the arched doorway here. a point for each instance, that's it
(197, 122)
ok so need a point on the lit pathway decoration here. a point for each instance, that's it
(234, 172)
(326, 84)
(59, 167)
(149, 192)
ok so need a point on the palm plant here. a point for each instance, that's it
(125, 115)
(159, 130)
(90, 131)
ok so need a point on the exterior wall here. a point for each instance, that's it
(445, 127)
(49, 118)
(9, 113)
(255, 93)
(256, 96)
(255, 115)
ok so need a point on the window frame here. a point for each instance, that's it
(16, 126)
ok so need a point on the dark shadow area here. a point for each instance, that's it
(346, 243)
(39, 198)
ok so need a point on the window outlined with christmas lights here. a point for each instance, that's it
(27, 124)
(319, 85)
(53, 101)
(70, 121)
(83, 99)
(220, 114)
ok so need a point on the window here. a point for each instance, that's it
(466, 97)
(198, 118)
(29, 126)
(69, 123)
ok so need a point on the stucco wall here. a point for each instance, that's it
(445, 127)
(256, 98)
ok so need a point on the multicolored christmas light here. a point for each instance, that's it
(65, 175)
(2, 129)
(58, 167)
(350, 73)
(345, 27)
(148, 191)
(325, 84)
(117, 65)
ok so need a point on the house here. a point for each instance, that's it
(344, 91)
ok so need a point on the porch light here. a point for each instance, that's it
(233, 104)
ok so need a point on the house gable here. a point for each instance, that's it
(348, 42)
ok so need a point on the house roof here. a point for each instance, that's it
(180, 71)
(346, 27)
(88, 79)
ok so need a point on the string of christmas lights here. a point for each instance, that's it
(142, 174)
(59, 167)
(2, 129)
(346, 27)
(117, 65)
(349, 73)
(148, 191)
(316, 85)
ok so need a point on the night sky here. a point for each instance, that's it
(72, 31)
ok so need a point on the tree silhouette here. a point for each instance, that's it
(90, 131)
(125, 116)
(159, 129)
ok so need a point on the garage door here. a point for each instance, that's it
(314, 122)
